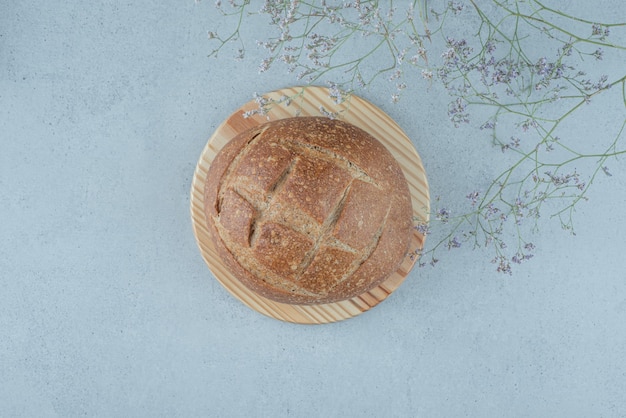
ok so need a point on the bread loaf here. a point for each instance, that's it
(308, 210)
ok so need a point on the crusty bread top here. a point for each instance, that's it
(308, 210)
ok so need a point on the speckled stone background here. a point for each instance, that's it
(107, 309)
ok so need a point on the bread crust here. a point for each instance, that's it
(308, 210)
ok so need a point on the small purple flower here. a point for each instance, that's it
(454, 243)
(527, 124)
(443, 215)
(423, 228)
(567, 49)
(265, 65)
(457, 111)
(598, 54)
(473, 197)
(456, 7)
(596, 30)
(490, 211)
(337, 95)
(488, 125)
(503, 265)
(328, 114)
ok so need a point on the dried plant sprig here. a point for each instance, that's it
(528, 94)
(316, 40)
(524, 89)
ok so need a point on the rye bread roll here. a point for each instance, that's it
(308, 210)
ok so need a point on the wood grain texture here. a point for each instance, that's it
(307, 102)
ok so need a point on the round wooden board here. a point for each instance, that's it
(312, 101)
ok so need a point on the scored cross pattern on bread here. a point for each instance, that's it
(308, 210)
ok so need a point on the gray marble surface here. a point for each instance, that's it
(107, 308)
